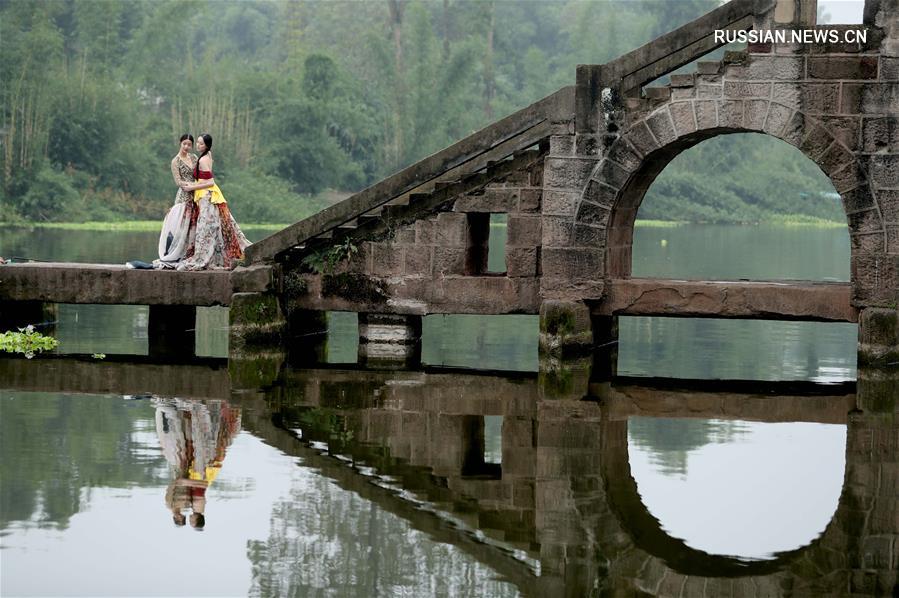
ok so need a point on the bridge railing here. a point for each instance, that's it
(516, 132)
(681, 46)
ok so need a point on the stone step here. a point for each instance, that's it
(373, 213)
(414, 197)
(683, 80)
(735, 56)
(708, 67)
(444, 184)
(657, 93)
(350, 225)
(328, 234)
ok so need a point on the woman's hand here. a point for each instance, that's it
(186, 187)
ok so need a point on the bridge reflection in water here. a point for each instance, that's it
(531, 476)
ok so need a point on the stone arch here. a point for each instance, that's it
(613, 194)
(638, 541)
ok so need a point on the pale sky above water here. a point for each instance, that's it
(842, 12)
(773, 487)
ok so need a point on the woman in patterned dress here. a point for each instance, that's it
(176, 238)
(218, 241)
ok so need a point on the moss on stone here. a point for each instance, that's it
(354, 286)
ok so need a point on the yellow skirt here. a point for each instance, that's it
(215, 196)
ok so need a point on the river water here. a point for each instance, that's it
(122, 477)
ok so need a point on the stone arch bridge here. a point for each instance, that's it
(569, 172)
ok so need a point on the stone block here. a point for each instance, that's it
(535, 175)
(778, 116)
(730, 113)
(572, 263)
(524, 231)
(740, 90)
(560, 203)
(785, 68)
(884, 171)
(843, 128)
(706, 115)
(387, 259)
(682, 80)
(424, 232)
(865, 222)
(588, 235)
(662, 127)
(849, 177)
(418, 261)
(593, 214)
(842, 67)
(449, 260)
(880, 134)
(657, 93)
(642, 139)
(884, 517)
(892, 239)
(870, 98)
(600, 193)
(683, 117)
(835, 158)
(622, 153)
(797, 128)
(529, 199)
(451, 229)
(868, 243)
(889, 68)
(888, 201)
(499, 199)
(709, 92)
(521, 261)
(754, 114)
(816, 142)
(612, 174)
(567, 173)
(683, 93)
(708, 67)
(858, 200)
(811, 98)
(255, 319)
(558, 231)
(564, 329)
(587, 145)
(876, 278)
(876, 552)
(405, 236)
(561, 145)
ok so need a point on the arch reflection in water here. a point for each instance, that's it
(193, 435)
(739, 488)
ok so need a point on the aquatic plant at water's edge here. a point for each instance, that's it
(26, 341)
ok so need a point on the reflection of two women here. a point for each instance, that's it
(193, 436)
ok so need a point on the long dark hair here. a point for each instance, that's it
(207, 141)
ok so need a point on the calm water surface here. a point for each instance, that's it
(344, 482)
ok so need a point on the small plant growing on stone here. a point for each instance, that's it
(326, 261)
(26, 341)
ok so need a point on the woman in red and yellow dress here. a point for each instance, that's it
(218, 241)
